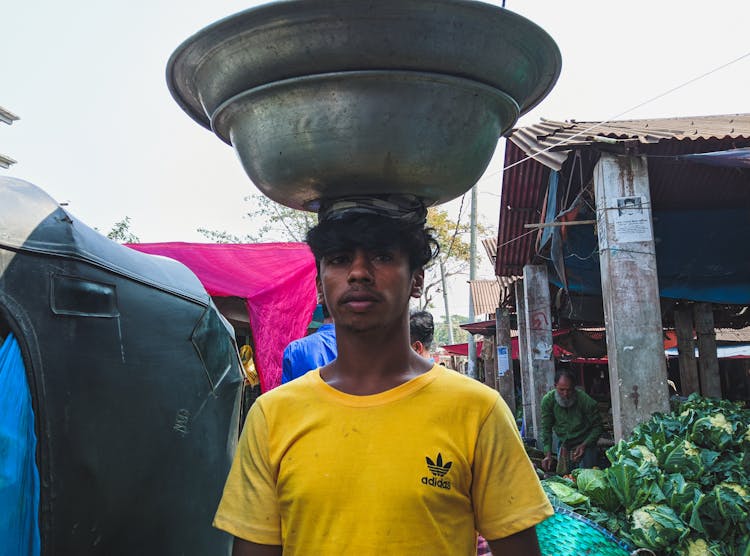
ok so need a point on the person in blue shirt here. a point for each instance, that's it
(312, 351)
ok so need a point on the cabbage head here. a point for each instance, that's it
(594, 484)
(657, 527)
(741, 546)
(564, 493)
(700, 547)
(713, 431)
(635, 485)
(723, 510)
(681, 495)
(682, 456)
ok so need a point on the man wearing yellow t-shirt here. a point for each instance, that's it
(379, 452)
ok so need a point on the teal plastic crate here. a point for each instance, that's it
(567, 533)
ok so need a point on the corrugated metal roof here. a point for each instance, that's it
(490, 247)
(6, 161)
(485, 296)
(561, 137)
(7, 116)
(488, 295)
(521, 199)
(675, 184)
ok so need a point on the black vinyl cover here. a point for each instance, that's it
(135, 384)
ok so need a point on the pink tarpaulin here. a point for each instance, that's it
(277, 281)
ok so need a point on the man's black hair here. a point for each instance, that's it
(565, 372)
(421, 328)
(370, 231)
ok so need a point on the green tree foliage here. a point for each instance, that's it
(276, 223)
(122, 233)
(441, 330)
(455, 254)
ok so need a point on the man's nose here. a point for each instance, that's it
(360, 269)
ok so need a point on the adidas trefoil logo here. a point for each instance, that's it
(438, 470)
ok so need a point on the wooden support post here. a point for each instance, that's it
(708, 361)
(539, 336)
(524, 361)
(504, 381)
(683, 324)
(630, 291)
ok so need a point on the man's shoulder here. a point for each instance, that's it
(456, 383)
(289, 392)
(548, 397)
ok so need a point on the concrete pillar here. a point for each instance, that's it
(630, 291)
(504, 380)
(708, 361)
(524, 361)
(489, 361)
(539, 338)
(683, 324)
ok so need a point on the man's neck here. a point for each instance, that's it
(372, 362)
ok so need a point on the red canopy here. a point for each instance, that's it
(670, 341)
(463, 349)
(277, 281)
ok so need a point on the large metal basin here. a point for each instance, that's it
(329, 135)
(294, 38)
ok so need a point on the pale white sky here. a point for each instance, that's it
(100, 131)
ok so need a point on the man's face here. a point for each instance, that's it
(565, 391)
(368, 289)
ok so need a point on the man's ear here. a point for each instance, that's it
(417, 283)
(319, 289)
(417, 346)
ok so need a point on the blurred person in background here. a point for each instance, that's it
(316, 349)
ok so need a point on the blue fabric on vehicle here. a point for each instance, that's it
(19, 476)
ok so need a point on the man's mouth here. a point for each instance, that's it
(358, 300)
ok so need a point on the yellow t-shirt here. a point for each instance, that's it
(413, 470)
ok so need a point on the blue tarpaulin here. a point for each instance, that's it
(19, 476)
(701, 255)
(735, 158)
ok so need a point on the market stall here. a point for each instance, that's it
(275, 282)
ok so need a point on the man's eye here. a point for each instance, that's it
(336, 259)
(383, 257)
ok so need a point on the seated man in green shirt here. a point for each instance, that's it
(574, 417)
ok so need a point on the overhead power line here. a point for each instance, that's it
(620, 114)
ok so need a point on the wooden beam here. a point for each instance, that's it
(683, 324)
(559, 224)
(504, 379)
(708, 361)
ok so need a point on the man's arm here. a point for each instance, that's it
(523, 543)
(548, 420)
(287, 372)
(247, 548)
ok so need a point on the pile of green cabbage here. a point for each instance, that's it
(680, 485)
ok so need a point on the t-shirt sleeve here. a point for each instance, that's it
(506, 492)
(548, 420)
(249, 507)
(286, 365)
